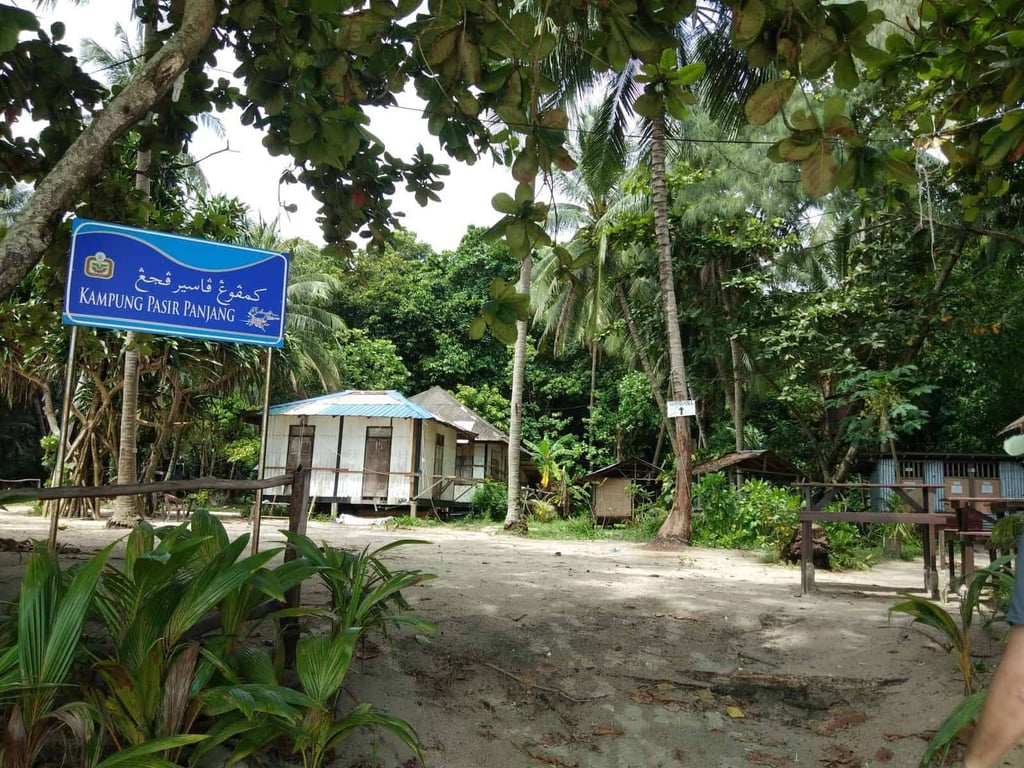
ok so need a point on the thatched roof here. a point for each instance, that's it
(631, 468)
(765, 464)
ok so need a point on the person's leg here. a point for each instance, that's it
(1001, 724)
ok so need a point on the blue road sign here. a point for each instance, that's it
(137, 280)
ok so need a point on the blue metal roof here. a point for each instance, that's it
(387, 404)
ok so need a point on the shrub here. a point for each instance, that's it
(543, 511)
(648, 520)
(759, 515)
(166, 676)
(490, 501)
(582, 527)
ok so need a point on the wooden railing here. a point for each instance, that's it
(297, 509)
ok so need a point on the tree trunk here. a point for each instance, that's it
(737, 394)
(678, 523)
(57, 193)
(126, 508)
(165, 432)
(515, 519)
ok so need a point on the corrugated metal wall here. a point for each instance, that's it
(884, 472)
(1011, 477)
(934, 474)
(1011, 481)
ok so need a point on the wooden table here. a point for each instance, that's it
(970, 515)
(817, 496)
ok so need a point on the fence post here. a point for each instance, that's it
(298, 514)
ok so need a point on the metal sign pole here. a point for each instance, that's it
(69, 372)
(263, 456)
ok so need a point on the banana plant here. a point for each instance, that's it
(35, 670)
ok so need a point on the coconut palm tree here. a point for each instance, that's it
(619, 95)
(575, 298)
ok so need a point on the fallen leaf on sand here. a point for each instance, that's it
(764, 758)
(734, 712)
(840, 719)
(841, 756)
(549, 760)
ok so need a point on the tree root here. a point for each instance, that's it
(801, 690)
(527, 684)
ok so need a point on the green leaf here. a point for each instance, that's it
(144, 755)
(301, 131)
(835, 106)
(648, 105)
(845, 72)
(793, 151)
(14, 21)
(899, 171)
(506, 333)
(674, 103)
(515, 235)
(503, 203)
(818, 172)
(525, 167)
(477, 328)
(804, 120)
(817, 55)
(690, 73)
(768, 99)
(49, 622)
(747, 22)
(321, 663)
(966, 712)
(524, 193)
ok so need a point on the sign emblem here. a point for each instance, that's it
(99, 266)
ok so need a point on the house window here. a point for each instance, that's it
(911, 468)
(300, 446)
(962, 468)
(496, 465)
(464, 460)
(439, 456)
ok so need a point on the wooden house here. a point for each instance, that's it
(481, 449)
(367, 450)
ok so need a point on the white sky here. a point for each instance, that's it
(249, 173)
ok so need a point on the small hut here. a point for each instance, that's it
(615, 486)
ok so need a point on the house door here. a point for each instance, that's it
(377, 463)
(300, 447)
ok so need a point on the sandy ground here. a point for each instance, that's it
(609, 654)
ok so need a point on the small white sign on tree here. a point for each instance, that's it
(676, 408)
